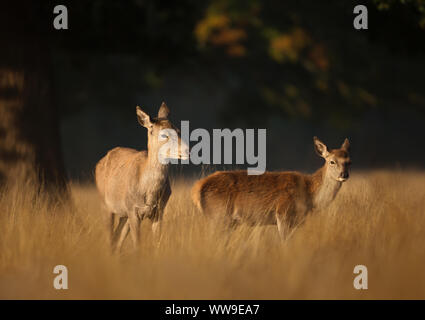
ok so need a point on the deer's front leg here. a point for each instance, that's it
(156, 220)
(158, 214)
(116, 234)
(134, 223)
(156, 230)
(124, 232)
(135, 220)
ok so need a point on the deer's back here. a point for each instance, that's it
(117, 176)
(250, 197)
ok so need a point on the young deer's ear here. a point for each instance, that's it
(163, 111)
(143, 118)
(346, 145)
(320, 147)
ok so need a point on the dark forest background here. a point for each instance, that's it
(297, 68)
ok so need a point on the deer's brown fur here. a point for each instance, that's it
(282, 198)
(134, 184)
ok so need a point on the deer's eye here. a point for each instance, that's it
(332, 162)
(164, 136)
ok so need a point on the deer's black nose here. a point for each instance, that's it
(344, 175)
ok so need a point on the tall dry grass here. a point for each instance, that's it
(377, 220)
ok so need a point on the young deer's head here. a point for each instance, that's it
(161, 132)
(337, 160)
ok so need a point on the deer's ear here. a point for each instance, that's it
(143, 118)
(163, 111)
(346, 145)
(320, 147)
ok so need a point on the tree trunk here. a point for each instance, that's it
(29, 125)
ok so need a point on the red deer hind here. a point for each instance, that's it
(280, 198)
(134, 184)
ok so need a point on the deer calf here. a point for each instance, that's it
(134, 184)
(279, 198)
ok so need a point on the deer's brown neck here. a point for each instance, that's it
(154, 165)
(323, 188)
(153, 173)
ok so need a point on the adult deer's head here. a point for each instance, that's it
(163, 138)
(337, 160)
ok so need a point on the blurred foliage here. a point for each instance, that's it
(225, 24)
(418, 5)
(310, 63)
(297, 58)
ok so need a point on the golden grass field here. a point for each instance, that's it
(377, 220)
